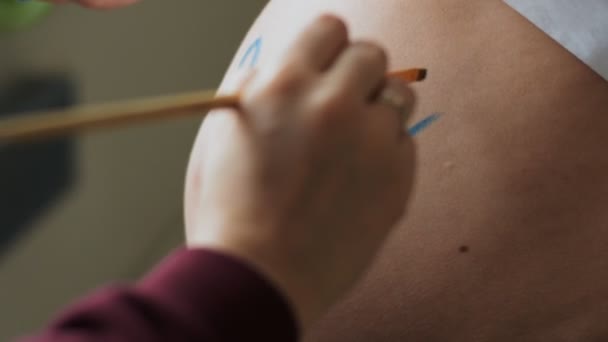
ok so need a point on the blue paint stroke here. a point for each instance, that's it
(253, 51)
(424, 124)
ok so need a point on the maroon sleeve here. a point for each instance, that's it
(194, 295)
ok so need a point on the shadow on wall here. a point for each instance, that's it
(32, 174)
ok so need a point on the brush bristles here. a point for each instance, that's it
(421, 75)
(411, 75)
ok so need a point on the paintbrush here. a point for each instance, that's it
(38, 125)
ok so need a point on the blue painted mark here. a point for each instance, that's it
(424, 124)
(252, 54)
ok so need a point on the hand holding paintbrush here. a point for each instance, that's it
(285, 210)
(321, 166)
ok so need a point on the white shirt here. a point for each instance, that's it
(580, 26)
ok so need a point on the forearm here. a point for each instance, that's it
(194, 295)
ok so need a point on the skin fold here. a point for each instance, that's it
(505, 238)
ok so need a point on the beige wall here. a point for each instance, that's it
(125, 211)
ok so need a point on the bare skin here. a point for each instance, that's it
(506, 237)
(307, 178)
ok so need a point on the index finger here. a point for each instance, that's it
(320, 44)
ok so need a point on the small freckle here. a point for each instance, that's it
(448, 165)
(463, 249)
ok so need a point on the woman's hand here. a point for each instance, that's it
(307, 179)
(99, 4)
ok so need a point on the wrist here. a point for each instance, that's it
(201, 286)
(264, 257)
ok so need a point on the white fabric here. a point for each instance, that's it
(581, 26)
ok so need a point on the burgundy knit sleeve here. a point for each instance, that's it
(194, 295)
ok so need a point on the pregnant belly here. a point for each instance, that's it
(505, 239)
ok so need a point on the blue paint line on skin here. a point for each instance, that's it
(252, 54)
(424, 124)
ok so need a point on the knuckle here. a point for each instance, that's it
(332, 105)
(285, 84)
(332, 108)
(371, 52)
(334, 26)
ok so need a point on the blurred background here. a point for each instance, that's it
(114, 205)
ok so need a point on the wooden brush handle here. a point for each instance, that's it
(47, 124)
(61, 122)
